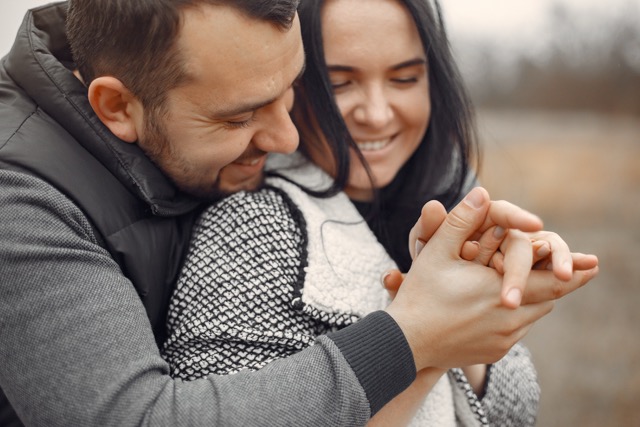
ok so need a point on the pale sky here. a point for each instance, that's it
(493, 19)
(505, 17)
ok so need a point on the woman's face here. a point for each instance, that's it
(378, 70)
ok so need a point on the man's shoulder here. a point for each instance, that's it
(14, 118)
(27, 202)
(24, 187)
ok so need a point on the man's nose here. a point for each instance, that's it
(278, 134)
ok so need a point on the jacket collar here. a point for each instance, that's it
(38, 62)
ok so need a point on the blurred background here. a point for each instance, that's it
(556, 84)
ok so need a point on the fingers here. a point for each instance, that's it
(470, 250)
(461, 223)
(497, 262)
(544, 286)
(486, 241)
(391, 281)
(561, 259)
(584, 261)
(489, 243)
(431, 217)
(527, 316)
(518, 259)
(508, 215)
(515, 324)
(541, 250)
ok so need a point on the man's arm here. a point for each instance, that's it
(77, 347)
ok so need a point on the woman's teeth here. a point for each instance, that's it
(373, 145)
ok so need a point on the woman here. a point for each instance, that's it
(403, 103)
(258, 297)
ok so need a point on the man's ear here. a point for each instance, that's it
(116, 107)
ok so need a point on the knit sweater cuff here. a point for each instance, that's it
(379, 354)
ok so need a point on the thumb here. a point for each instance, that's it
(431, 217)
(463, 221)
(391, 281)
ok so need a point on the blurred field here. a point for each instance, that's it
(581, 173)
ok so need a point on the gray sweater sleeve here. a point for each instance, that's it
(512, 393)
(77, 347)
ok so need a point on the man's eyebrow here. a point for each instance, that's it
(241, 109)
(405, 64)
(252, 106)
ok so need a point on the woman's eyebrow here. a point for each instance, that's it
(404, 64)
(340, 68)
(409, 63)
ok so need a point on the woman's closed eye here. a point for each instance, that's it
(405, 80)
(338, 84)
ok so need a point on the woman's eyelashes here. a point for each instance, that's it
(340, 84)
(405, 80)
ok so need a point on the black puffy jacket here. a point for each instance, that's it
(48, 129)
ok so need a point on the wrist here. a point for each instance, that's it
(405, 323)
(476, 376)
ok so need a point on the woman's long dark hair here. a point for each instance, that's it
(441, 164)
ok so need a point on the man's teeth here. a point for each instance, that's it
(373, 145)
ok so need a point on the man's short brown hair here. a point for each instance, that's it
(135, 40)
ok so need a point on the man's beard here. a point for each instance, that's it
(158, 148)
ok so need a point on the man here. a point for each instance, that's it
(101, 180)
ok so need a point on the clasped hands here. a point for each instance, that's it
(482, 275)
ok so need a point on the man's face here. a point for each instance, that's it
(218, 127)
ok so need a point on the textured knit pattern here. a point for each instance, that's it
(472, 413)
(232, 308)
(507, 402)
(267, 272)
(260, 284)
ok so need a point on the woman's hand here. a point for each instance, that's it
(450, 309)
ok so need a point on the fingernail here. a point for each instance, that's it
(419, 247)
(498, 232)
(568, 266)
(474, 199)
(383, 277)
(514, 296)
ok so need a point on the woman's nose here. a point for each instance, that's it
(374, 109)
